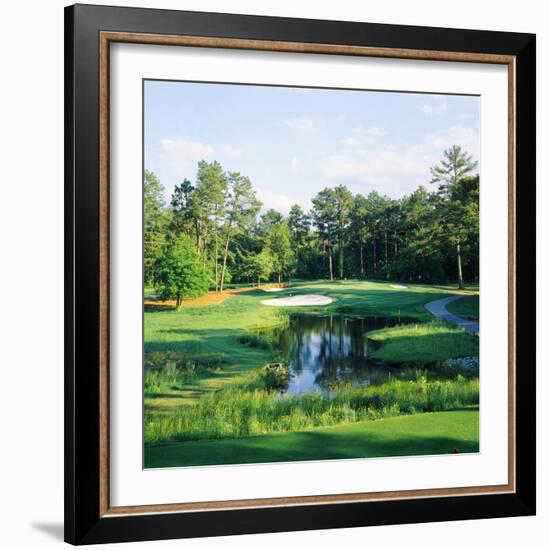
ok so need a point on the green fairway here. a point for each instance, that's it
(373, 297)
(423, 343)
(204, 332)
(468, 307)
(203, 381)
(421, 434)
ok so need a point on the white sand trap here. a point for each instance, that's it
(273, 289)
(302, 300)
(398, 286)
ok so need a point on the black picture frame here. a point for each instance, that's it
(84, 524)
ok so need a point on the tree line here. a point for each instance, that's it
(213, 232)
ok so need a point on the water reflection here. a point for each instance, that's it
(324, 350)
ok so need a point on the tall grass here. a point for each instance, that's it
(259, 340)
(235, 411)
(171, 370)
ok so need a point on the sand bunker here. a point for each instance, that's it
(398, 286)
(273, 289)
(302, 300)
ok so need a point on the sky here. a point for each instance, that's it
(293, 142)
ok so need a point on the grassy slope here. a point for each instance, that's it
(421, 434)
(434, 341)
(214, 329)
(191, 331)
(466, 307)
(373, 297)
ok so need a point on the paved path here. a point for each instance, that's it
(439, 309)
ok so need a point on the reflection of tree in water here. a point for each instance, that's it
(332, 348)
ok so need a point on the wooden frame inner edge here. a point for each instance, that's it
(104, 270)
(512, 274)
(105, 39)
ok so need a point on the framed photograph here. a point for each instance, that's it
(299, 274)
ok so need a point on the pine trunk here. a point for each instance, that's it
(198, 234)
(341, 258)
(224, 264)
(205, 250)
(459, 267)
(216, 284)
(386, 253)
(374, 256)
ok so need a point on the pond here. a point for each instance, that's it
(322, 350)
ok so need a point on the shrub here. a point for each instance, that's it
(180, 272)
(276, 376)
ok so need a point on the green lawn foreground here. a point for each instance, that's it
(411, 435)
(423, 343)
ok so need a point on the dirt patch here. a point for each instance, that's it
(212, 298)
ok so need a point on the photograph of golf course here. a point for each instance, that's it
(310, 272)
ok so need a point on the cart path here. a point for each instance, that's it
(439, 309)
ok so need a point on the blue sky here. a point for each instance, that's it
(293, 142)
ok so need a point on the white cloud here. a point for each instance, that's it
(437, 107)
(278, 201)
(294, 163)
(303, 122)
(351, 141)
(181, 153)
(466, 137)
(397, 171)
(231, 151)
(365, 135)
(373, 131)
(386, 170)
(359, 142)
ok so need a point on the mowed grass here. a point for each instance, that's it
(215, 329)
(206, 405)
(204, 332)
(372, 297)
(468, 307)
(413, 435)
(423, 343)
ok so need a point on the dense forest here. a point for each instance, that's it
(215, 232)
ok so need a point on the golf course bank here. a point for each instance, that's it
(339, 369)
